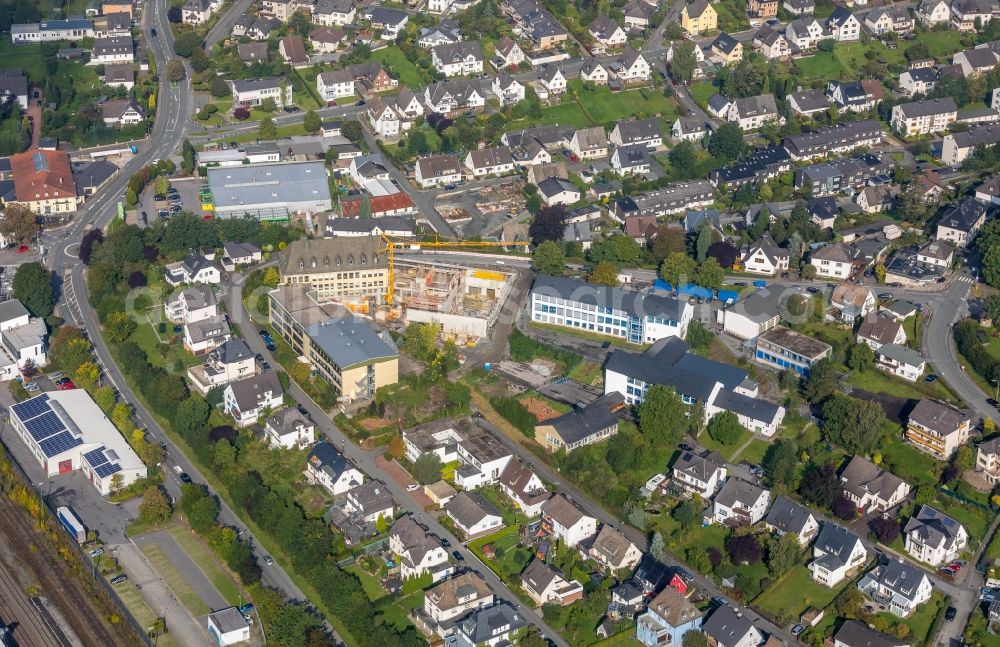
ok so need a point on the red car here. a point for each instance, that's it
(22, 249)
(207, 217)
(66, 386)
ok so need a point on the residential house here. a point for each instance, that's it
(452, 97)
(771, 44)
(388, 20)
(557, 190)
(916, 81)
(865, 171)
(789, 518)
(324, 464)
(524, 488)
(247, 398)
(924, 117)
(493, 626)
(438, 170)
(368, 502)
(726, 49)
(290, 428)
(855, 96)
(761, 10)
(852, 301)
(698, 17)
(14, 84)
(589, 143)
(371, 78)
(961, 221)
(870, 487)
(740, 503)
(334, 85)
(206, 335)
(508, 53)
(971, 15)
(631, 68)
(458, 59)
(453, 598)
(631, 159)
(612, 550)
(607, 32)
(765, 257)
(508, 89)
(933, 12)
(877, 331)
(988, 461)
(122, 112)
(637, 131)
(444, 33)
(898, 586)
(692, 129)
(875, 199)
(900, 361)
(808, 103)
(844, 25)
(250, 93)
(279, 9)
(805, 33)
(251, 53)
(936, 252)
(485, 162)
(833, 261)
(473, 515)
(703, 475)
(889, 20)
(115, 49)
(937, 428)
(553, 80)
(834, 140)
(728, 627)
(192, 304)
(195, 268)
(293, 51)
(240, 253)
(326, 40)
(231, 361)
(823, 211)
(933, 537)
(719, 105)
(228, 627)
(783, 348)
(667, 618)
(637, 14)
(419, 552)
(565, 521)
(799, 7)
(857, 634)
(196, 12)
(751, 113)
(837, 554)
(976, 62)
(545, 584)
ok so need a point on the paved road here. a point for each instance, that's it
(224, 26)
(366, 461)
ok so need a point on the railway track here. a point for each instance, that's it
(57, 583)
(16, 608)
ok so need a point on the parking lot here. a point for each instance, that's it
(186, 190)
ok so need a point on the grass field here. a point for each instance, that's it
(910, 464)
(754, 453)
(400, 67)
(795, 593)
(921, 621)
(707, 537)
(177, 583)
(876, 381)
(202, 555)
(142, 612)
(146, 338)
(605, 106)
(701, 92)
(25, 57)
(370, 583)
(728, 451)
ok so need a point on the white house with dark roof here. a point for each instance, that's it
(508, 89)
(900, 361)
(232, 360)
(206, 335)
(452, 598)
(631, 68)
(473, 515)
(857, 634)
(419, 552)
(566, 521)
(751, 113)
(870, 487)
(330, 468)
(607, 32)
(933, 12)
(692, 129)
(837, 553)
(833, 261)
(701, 475)
(192, 304)
(594, 72)
(438, 170)
(729, 627)
(961, 221)
(766, 257)
(876, 331)
(545, 584)
(933, 537)
(524, 487)
(740, 503)
(458, 59)
(805, 33)
(919, 80)
(246, 399)
(290, 428)
(937, 428)
(898, 586)
(612, 550)
(631, 159)
(844, 25)
(485, 162)
(508, 53)
(789, 518)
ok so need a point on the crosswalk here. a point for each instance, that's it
(965, 279)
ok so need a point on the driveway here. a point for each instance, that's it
(396, 472)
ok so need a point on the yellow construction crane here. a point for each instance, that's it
(389, 247)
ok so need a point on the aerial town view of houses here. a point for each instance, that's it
(498, 323)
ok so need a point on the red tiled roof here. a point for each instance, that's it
(41, 175)
(351, 207)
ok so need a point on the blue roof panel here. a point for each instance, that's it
(45, 425)
(59, 443)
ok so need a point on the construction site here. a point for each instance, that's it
(464, 301)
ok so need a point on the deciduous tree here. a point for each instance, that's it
(677, 269)
(781, 462)
(33, 287)
(743, 549)
(549, 224)
(175, 70)
(662, 416)
(155, 508)
(819, 484)
(267, 129)
(604, 273)
(548, 258)
(427, 469)
(725, 428)
(784, 554)
(854, 424)
(19, 224)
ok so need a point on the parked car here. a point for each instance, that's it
(605, 345)
(445, 543)
(265, 367)
(930, 378)
(118, 579)
(152, 32)
(797, 629)
(885, 296)
(97, 552)
(268, 560)
(950, 614)
(812, 289)
(22, 249)
(186, 478)
(458, 556)
(412, 487)
(66, 386)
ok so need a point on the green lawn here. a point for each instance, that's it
(371, 584)
(177, 582)
(142, 612)
(400, 67)
(605, 106)
(910, 464)
(796, 592)
(713, 536)
(940, 43)
(701, 92)
(202, 555)
(586, 334)
(754, 453)
(26, 57)
(167, 352)
(877, 381)
(565, 114)
(728, 451)
(921, 621)
(588, 373)
(976, 520)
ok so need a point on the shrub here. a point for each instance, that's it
(516, 414)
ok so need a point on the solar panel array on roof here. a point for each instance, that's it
(59, 443)
(47, 429)
(96, 457)
(107, 469)
(40, 161)
(31, 408)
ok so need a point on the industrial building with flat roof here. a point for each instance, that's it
(270, 191)
(346, 350)
(784, 348)
(66, 431)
